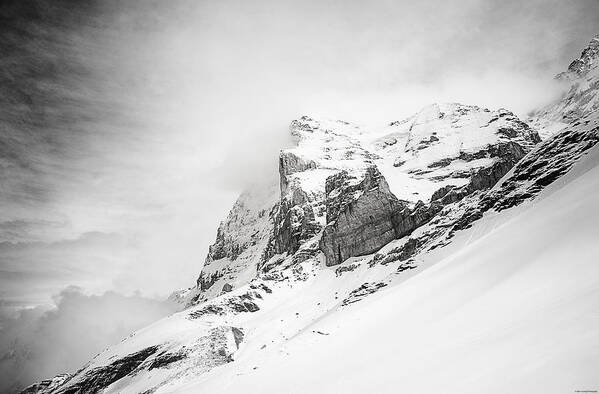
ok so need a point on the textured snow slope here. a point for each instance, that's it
(513, 307)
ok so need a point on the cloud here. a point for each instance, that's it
(32, 271)
(38, 343)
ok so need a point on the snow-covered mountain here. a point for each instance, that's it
(581, 99)
(452, 251)
(327, 201)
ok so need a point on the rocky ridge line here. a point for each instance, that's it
(334, 197)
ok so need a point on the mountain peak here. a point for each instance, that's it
(588, 60)
(580, 100)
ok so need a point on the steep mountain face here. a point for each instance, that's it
(241, 242)
(581, 98)
(588, 61)
(393, 258)
(335, 195)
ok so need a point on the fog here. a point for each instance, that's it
(127, 129)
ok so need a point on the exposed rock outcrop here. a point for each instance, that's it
(214, 348)
(241, 241)
(360, 216)
(588, 60)
(46, 386)
(409, 219)
(364, 216)
(290, 163)
(295, 220)
(541, 167)
(505, 155)
(293, 225)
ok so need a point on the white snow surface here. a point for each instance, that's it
(511, 306)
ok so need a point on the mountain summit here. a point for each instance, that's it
(348, 190)
(588, 61)
(581, 98)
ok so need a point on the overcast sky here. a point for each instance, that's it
(128, 128)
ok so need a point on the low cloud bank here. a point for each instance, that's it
(39, 343)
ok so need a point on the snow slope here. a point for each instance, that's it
(513, 308)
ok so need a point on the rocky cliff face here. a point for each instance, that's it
(241, 241)
(452, 148)
(295, 221)
(352, 189)
(360, 215)
(588, 61)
